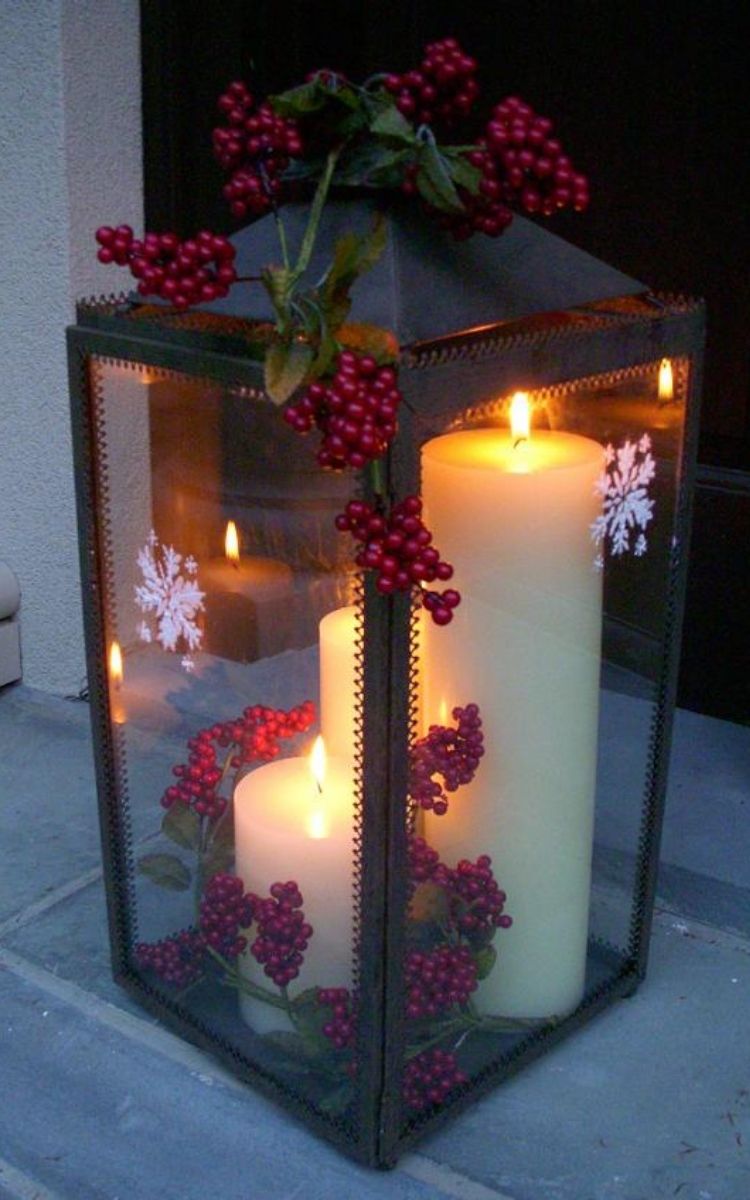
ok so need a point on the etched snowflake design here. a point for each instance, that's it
(627, 508)
(169, 599)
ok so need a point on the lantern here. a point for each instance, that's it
(376, 850)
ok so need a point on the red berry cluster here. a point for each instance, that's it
(439, 980)
(225, 909)
(341, 1028)
(399, 547)
(355, 411)
(442, 90)
(533, 164)
(430, 1077)
(282, 933)
(195, 271)
(178, 960)
(255, 145)
(476, 900)
(424, 863)
(197, 780)
(453, 753)
(255, 734)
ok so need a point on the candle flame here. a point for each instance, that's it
(232, 543)
(443, 712)
(115, 664)
(317, 826)
(318, 762)
(520, 417)
(666, 380)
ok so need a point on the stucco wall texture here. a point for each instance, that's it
(70, 160)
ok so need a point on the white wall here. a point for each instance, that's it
(70, 160)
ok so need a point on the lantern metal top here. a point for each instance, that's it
(427, 285)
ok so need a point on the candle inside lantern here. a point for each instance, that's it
(338, 705)
(244, 619)
(293, 820)
(666, 381)
(116, 705)
(512, 511)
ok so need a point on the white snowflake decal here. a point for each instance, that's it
(627, 507)
(170, 600)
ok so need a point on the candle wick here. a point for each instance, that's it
(518, 441)
(320, 790)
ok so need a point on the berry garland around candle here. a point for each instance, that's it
(387, 134)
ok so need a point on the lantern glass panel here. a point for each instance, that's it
(524, 898)
(232, 621)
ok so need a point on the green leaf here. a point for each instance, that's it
(372, 164)
(434, 180)
(353, 255)
(279, 283)
(392, 125)
(166, 870)
(339, 1099)
(182, 826)
(287, 364)
(299, 101)
(462, 172)
(485, 960)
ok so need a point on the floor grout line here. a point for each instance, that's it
(19, 1186)
(25, 915)
(450, 1183)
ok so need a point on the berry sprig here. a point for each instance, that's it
(225, 909)
(254, 737)
(256, 146)
(195, 271)
(355, 411)
(341, 1026)
(430, 1077)
(442, 90)
(178, 960)
(439, 980)
(534, 167)
(477, 902)
(452, 753)
(282, 933)
(398, 546)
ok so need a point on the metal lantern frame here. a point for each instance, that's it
(604, 339)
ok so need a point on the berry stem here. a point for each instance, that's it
(377, 477)
(233, 979)
(311, 232)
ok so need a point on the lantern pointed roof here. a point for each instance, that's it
(427, 285)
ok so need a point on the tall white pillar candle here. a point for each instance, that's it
(338, 641)
(524, 645)
(286, 828)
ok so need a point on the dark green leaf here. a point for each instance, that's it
(166, 870)
(462, 172)
(219, 857)
(182, 826)
(434, 180)
(372, 164)
(392, 125)
(485, 960)
(287, 364)
(299, 101)
(339, 1099)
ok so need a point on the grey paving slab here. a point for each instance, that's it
(48, 822)
(707, 827)
(95, 1116)
(649, 1102)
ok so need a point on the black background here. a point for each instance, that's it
(651, 101)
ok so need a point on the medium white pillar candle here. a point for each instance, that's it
(338, 705)
(514, 519)
(287, 829)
